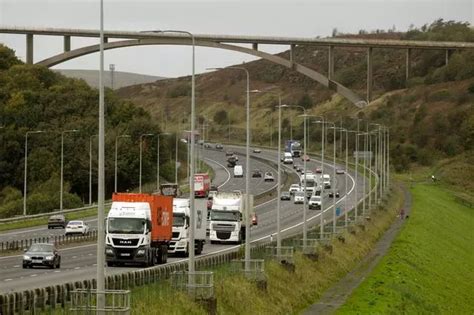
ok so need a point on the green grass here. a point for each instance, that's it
(44, 220)
(429, 268)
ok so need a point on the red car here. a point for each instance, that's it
(305, 158)
(318, 171)
(254, 219)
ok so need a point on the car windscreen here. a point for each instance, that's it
(75, 223)
(299, 194)
(126, 225)
(41, 248)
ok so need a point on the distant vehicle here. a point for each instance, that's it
(213, 188)
(318, 170)
(41, 254)
(315, 202)
(200, 142)
(77, 227)
(299, 197)
(331, 194)
(207, 145)
(219, 146)
(57, 220)
(257, 150)
(294, 188)
(231, 161)
(236, 157)
(285, 195)
(295, 166)
(257, 173)
(183, 140)
(238, 171)
(229, 153)
(293, 147)
(170, 189)
(327, 181)
(287, 158)
(268, 177)
(254, 219)
(202, 184)
(299, 169)
(339, 171)
(305, 158)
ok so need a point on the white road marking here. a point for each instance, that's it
(75, 268)
(33, 275)
(16, 266)
(8, 280)
(56, 271)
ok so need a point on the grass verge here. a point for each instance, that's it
(287, 292)
(428, 269)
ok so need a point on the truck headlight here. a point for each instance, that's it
(50, 257)
(140, 252)
(26, 257)
(109, 251)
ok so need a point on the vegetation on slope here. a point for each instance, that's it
(35, 98)
(431, 116)
(429, 267)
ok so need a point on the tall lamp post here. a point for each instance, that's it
(90, 168)
(141, 149)
(26, 167)
(158, 159)
(323, 137)
(247, 168)
(333, 184)
(347, 171)
(116, 150)
(62, 167)
(193, 121)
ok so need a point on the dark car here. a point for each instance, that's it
(257, 173)
(214, 188)
(331, 194)
(229, 153)
(285, 195)
(57, 220)
(42, 254)
(231, 161)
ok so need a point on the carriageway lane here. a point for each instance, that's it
(12, 277)
(223, 177)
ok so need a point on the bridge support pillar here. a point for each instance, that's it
(67, 43)
(447, 55)
(29, 49)
(331, 63)
(369, 75)
(292, 55)
(408, 64)
(255, 46)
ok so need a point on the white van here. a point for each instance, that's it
(238, 171)
(287, 158)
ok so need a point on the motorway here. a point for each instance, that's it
(79, 262)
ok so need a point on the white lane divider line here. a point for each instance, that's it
(16, 266)
(57, 271)
(74, 257)
(76, 268)
(33, 275)
(7, 280)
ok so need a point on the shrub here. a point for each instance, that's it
(220, 117)
(180, 90)
(439, 95)
(470, 89)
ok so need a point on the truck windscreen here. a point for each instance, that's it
(178, 220)
(126, 225)
(217, 215)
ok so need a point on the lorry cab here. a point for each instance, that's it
(226, 219)
(238, 171)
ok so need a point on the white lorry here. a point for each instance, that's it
(180, 238)
(227, 223)
(311, 184)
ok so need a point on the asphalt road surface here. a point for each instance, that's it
(79, 262)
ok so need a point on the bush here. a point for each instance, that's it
(220, 117)
(439, 95)
(306, 101)
(180, 90)
(470, 89)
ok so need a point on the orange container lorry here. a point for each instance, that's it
(138, 229)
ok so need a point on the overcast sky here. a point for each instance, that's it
(235, 17)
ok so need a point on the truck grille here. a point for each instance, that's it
(223, 235)
(125, 242)
(223, 227)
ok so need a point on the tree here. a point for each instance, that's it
(220, 117)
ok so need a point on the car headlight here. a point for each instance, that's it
(51, 257)
(26, 257)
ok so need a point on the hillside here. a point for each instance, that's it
(431, 116)
(34, 98)
(121, 79)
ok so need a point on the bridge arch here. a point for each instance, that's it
(333, 85)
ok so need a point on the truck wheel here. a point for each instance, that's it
(110, 264)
